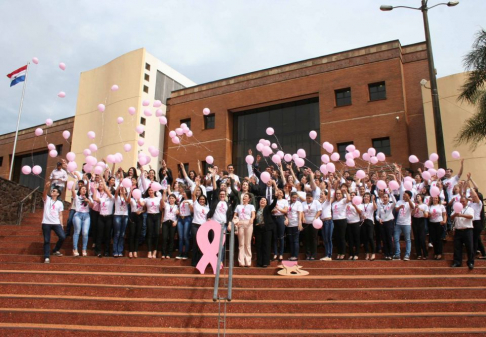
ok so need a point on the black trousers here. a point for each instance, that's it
(477, 243)
(435, 236)
(153, 231)
(196, 252)
(418, 228)
(340, 233)
(168, 234)
(135, 226)
(263, 242)
(353, 237)
(93, 228)
(367, 228)
(310, 240)
(388, 230)
(105, 225)
(380, 235)
(463, 237)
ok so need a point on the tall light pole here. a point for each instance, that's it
(439, 136)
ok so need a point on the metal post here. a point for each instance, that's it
(231, 260)
(439, 136)
(218, 266)
(18, 122)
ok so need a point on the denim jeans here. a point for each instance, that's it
(293, 234)
(69, 224)
(280, 235)
(143, 232)
(183, 231)
(326, 231)
(46, 230)
(119, 227)
(406, 232)
(81, 222)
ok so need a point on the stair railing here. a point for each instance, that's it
(21, 204)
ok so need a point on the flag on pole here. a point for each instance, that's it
(17, 76)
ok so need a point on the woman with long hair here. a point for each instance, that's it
(368, 208)
(353, 214)
(294, 227)
(385, 216)
(184, 224)
(153, 205)
(339, 201)
(120, 220)
(81, 219)
(135, 222)
(200, 209)
(246, 214)
(169, 223)
(420, 213)
(264, 228)
(437, 221)
(104, 197)
(311, 211)
(278, 215)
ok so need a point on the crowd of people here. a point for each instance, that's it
(276, 216)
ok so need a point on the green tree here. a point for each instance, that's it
(474, 91)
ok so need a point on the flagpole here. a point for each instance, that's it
(18, 122)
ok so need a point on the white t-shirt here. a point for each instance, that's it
(352, 215)
(455, 198)
(220, 212)
(135, 206)
(170, 212)
(59, 177)
(463, 223)
(404, 215)
(106, 204)
(282, 203)
(244, 211)
(184, 208)
(367, 211)
(420, 211)
(82, 205)
(435, 213)
(310, 210)
(339, 209)
(326, 210)
(200, 214)
(478, 208)
(293, 213)
(451, 183)
(52, 210)
(120, 206)
(153, 205)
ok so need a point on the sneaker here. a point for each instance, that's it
(184, 257)
(406, 258)
(396, 257)
(58, 253)
(47, 260)
(179, 257)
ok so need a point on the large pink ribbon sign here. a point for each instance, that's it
(208, 249)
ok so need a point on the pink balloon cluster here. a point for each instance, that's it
(28, 170)
(177, 134)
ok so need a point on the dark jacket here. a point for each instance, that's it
(267, 216)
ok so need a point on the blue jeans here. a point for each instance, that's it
(81, 221)
(280, 235)
(406, 232)
(143, 233)
(70, 222)
(183, 231)
(293, 234)
(119, 227)
(326, 231)
(46, 230)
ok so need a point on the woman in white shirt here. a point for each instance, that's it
(169, 224)
(385, 217)
(312, 210)
(120, 220)
(437, 221)
(153, 207)
(184, 224)
(368, 208)
(246, 215)
(52, 220)
(353, 218)
(419, 214)
(200, 209)
(104, 197)
(81, 219)
(135, 223)
(278, 215)
(327, 224)
(295, 225)
(338, 202)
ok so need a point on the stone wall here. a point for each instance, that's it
(10, 195)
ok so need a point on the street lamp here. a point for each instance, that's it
(439, 136)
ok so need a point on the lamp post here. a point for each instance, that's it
(439, 136)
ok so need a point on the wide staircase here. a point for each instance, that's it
(90, 296)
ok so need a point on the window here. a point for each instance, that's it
(341, 147)
(187, 121)
(142, 120)
(209, 121)
(204, 167)
(377, 91)
(142, 135)
(382, 145)
(343, 96)
(145, 89)
(147, 66)
(147, 77)
(1, 161)
(59, 150)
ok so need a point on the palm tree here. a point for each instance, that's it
(474, 91)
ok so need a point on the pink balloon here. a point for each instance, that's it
(66, 134)
(35, 60)
(381, 184)
(313, 135)
(114, 87)
(91, 160)
(270, 131)
(458, 207)
(159, 113)
(70, 156)
(259, 147)
(360, 174)
(51, 146)
(295, 156)
(49, 122)
(372, 152)
(265, 177)
(131, 110)
(325, 158)
(456, 155)
(413, 159)
(37, 170)
(323, 169)
(266, 151)
(434, 157)
(118, 157)
(440, 173)
(301, 153)
(146, 102)
(288, 157)
(157, 103)
(356, 153)
(366, 156)
(394, 185)
(432, 171)
(172, 134)
(328, 147)
(127, 147)
(142, 160)
(429, 164)
(189, 134)
(331, 167)
(163, 120)
(140, 142)
(91, 135)
(179, 131)
(61, 94)
(299, 162)
(381, 156)
(426, 175)
(156, 187)
(70, 185)
(93, 147)
(72, 166)
(127, 183)
(348, 156)
(87, 168)
(62, 66)
(53, 153)
(276, 159)
(155, 153)
(434, 191)
(317, 223)
(147, 113)
(206, 111)
(335, 156)
(281, 154)
(110, 159)
(39, 132)
(26, 169)
(136, 193)
(249, 159)
(210, 160)
(357, 200)
(408, 185)
(176, 140)
(119, 120)
(86, 152)
(373, 160)
(274, 146)
(350, 163)
(140, 128)
(350, 148)
(101, 107)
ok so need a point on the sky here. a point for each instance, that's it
(205, 40)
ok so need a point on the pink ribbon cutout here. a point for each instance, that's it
(208, 249)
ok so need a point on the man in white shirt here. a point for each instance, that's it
(451, 181)
(463, 235)
(58, 178)
(52, 220)
(404, 224)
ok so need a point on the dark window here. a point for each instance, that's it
(209, 121)
(31, 180)
(145, 89)
(142, 120)
(382, 145)
(147, 77)
(147, 66)
(187, 121)
(377, 91)
(1, 161)
(164, 85)
(204, 167)
(59, 150)
(142, 135)
(341, 148)
(343, 96)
